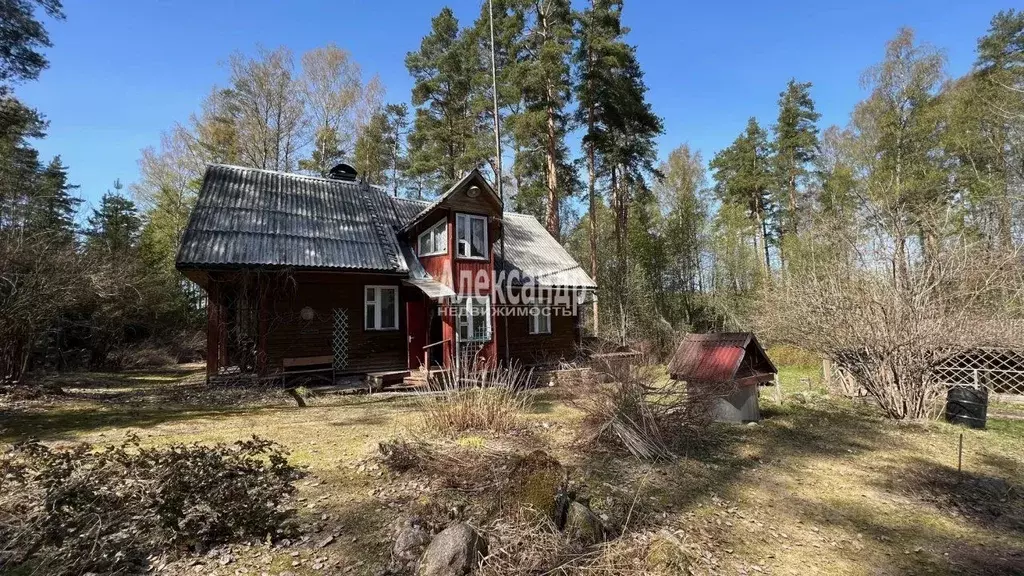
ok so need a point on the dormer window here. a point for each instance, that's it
(435, 240)
(471, 236)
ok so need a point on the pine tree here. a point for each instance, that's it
(983, 111)
(620, 124)
(599, 31)
(19, 161)
(115, 225)
(632, 155)
(794, 148)
(23, 37)
(509, 59)
(52, 206)
(546, 93)
(743, 178)
(442, 144)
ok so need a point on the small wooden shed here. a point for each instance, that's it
(733, 363)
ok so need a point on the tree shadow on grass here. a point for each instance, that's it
(720, 456)
(914, 546)
(991, 502)
(64, 423)
(727, 461)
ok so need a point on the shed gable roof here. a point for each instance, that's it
(717, 357)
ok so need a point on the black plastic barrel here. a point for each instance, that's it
(967, 405)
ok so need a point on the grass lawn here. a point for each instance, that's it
(820, 486)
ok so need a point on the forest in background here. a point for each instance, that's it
(924, 180)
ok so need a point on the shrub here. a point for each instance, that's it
(81, 510)
(140, 356)
(470, 398)
(890, 325)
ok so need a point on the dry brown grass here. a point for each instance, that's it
(492, 399)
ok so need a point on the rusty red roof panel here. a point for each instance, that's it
(709, 357)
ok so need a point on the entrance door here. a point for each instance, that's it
(416, 331)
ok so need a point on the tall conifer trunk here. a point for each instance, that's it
(553, 224)
(591, 184)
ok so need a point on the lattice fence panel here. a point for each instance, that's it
(999, 370)
(339, 340)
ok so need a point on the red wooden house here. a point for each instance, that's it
(304, 272)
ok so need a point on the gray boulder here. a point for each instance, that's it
(582, 525)
(453, 552)
(410, 540)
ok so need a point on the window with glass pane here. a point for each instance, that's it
(381, 309)
(474, 319)
(540, 320)
(388, 309)
(441, 238)
(471, 234)
(435, 240)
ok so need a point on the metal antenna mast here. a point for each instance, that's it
(497, 151)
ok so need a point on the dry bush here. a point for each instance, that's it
(107, 511)
(891, 326)
(462, 467)
(643, 412)
(477, 398)
(146, 355)
(526, 544)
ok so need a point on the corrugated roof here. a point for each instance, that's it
(716, 357)
(535, 254)
(473, 174)
(531, 250)
(252, 217)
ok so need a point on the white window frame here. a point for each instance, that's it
(470, 318)
(539, 313)
(468, 220)
(439, 228)
(374, 323)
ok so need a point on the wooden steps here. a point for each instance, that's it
(377, 381)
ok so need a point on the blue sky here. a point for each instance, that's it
(122, 71)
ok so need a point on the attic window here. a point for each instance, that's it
(471, 233)
(435, 240)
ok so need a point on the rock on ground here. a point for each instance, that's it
(539, 480)
(410, 541)
(582, 525)
(453, 552)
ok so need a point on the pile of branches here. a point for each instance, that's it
(645, 413)
(109, 511)
(467, 469)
